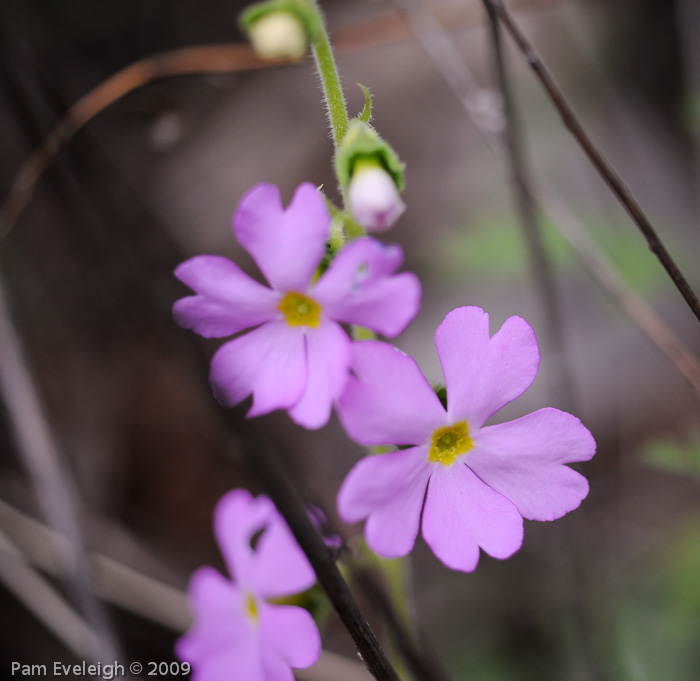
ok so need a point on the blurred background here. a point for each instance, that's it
(609, 593)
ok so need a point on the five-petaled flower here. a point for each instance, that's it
(298, 356)
(237, 632)
(481, 480)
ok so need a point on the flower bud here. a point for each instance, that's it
(373, 198)
(278, 35)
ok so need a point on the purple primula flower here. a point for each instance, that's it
(298, 356)
(237, 632)
(481, 480)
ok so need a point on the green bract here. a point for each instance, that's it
(297, 8)
(366, 114)
(362, 142)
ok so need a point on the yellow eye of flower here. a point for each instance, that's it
(300, 310)
(449, 442)
(251, 608)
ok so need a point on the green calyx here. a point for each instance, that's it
(297, 8)
(363, 145)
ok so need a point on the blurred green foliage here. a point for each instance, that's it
(680, 457)
(491, 245)
(654, 621)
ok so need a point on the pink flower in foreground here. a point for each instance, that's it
(237, 633)
(481, 480)
(298, 356)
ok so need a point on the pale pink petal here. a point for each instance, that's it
(228, 301)
(276, 669)
(219, 621)
(462, 514)
(360, 287)
(280, 566)
(483, 374)
(388, 489)
(289, 633)
(388, 400)
(328, 361)
(287, 245)
(234, 659)
(373, 199)
(524, 460)
(237, 518)
(269, 362)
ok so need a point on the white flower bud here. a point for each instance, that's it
(278, 35)
(373, 198)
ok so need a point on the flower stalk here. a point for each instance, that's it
(333, 96)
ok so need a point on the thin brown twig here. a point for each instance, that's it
(526, 209)
(191, 60)
(598, 265)
(455, 72)
(386, 29)
(614, 182)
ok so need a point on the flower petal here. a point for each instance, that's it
(216, 603)
(328, 360)
(388, 400)
(237, 658)
(373, 198)
(228, 301)
(289, 634)
(462, 514)
(237, 518)
(524, 460)
(281, 568)
(360, 288)
(484, 374)
(388, 489)
(269, 362)
(286, 244)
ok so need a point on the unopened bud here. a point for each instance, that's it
(373, 198)
(278, 35)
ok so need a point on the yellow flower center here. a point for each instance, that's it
(300, 310)
(251, 607)
(449, 442)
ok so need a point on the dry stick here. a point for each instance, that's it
(263, 459)
(44, 601)
(384, 30)
(599, 266)
(192, 60)
(539, 259)
(595, 156)
(39, 454)
(421, 661)
(450, 65)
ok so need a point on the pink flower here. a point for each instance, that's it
(373, 197)
(481, 480)
(238, 633)
(298, 356)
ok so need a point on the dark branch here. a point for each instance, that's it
(595, 156)
(419, 658)
(262, 458)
